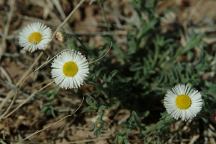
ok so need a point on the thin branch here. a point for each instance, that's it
(28, 99)
(68, 17)
(94, 61)
(21, 80)
(7, 26)
(55, 123)
(105, 33)
(89, 140)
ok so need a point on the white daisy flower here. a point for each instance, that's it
(183, 102)
(70, 69)
(35, 36)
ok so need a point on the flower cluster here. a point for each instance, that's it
(70, 69)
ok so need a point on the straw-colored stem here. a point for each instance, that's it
(55, 123)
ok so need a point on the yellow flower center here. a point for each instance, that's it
(70, 69)
(183, 102)
(35, 37)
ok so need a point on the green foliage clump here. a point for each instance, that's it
(138, 77)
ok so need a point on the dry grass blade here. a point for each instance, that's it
(94, 61)
(9, 107)
(5, 74)
(89, 140)
(49, 60)
(21, 80)
(7, 26)
(59, 8)
(24, 102)
(55, 123)
(68, 17)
